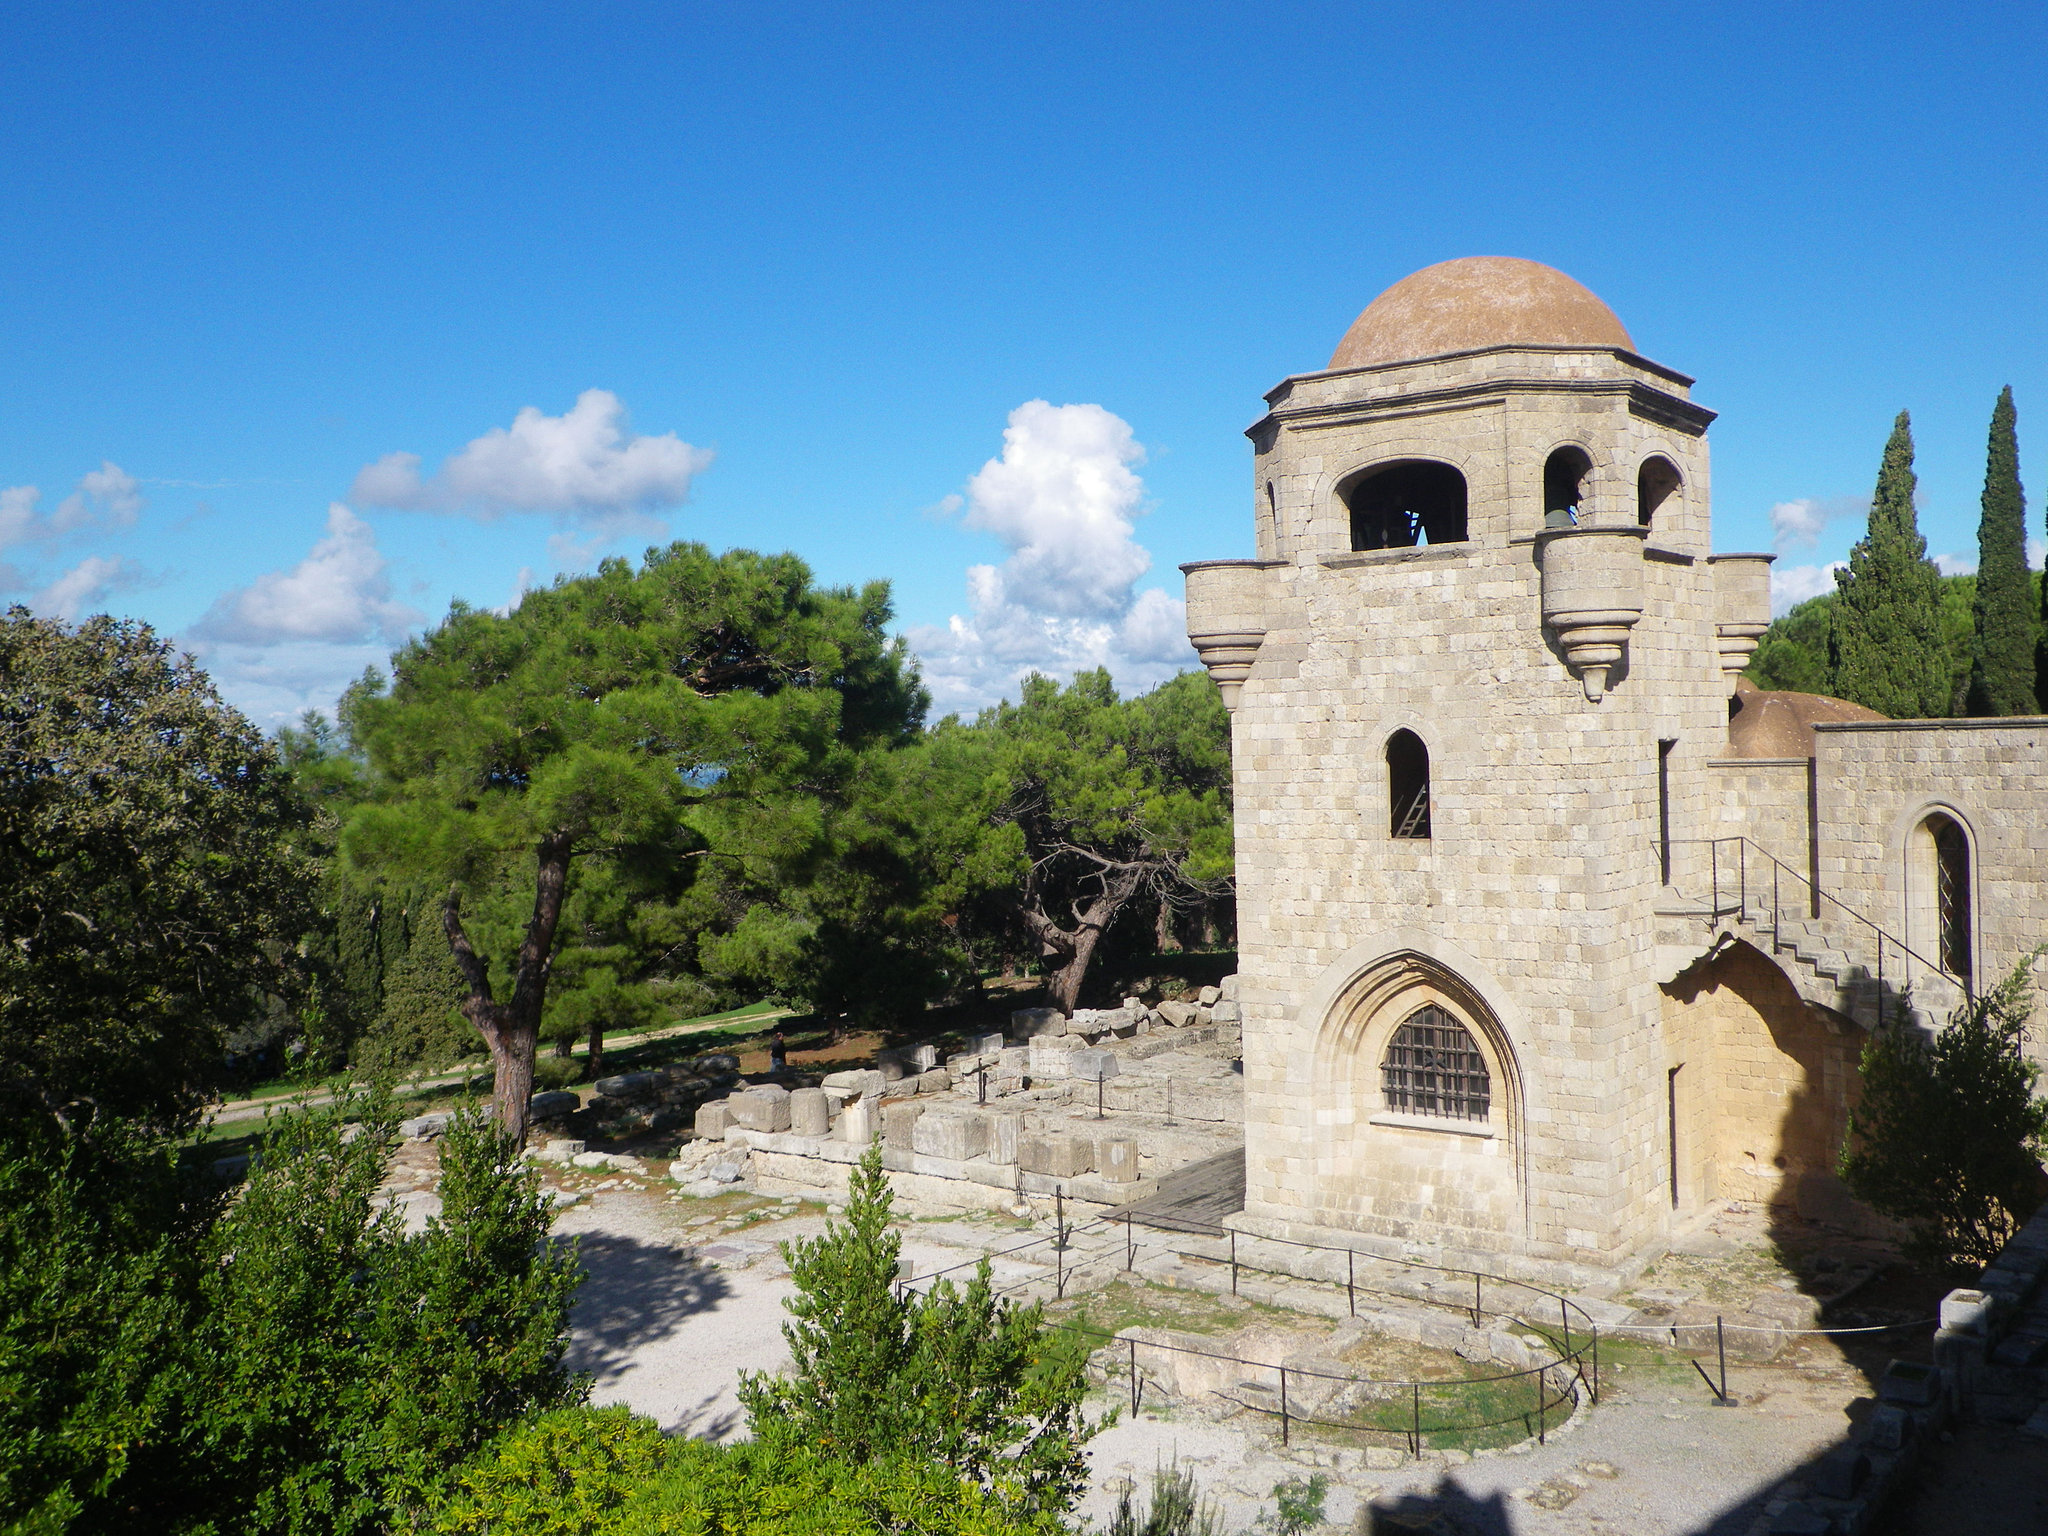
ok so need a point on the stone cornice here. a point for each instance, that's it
(1643, 400)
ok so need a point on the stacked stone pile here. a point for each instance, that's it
(663, 1099)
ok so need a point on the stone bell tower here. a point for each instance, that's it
(1474, 674)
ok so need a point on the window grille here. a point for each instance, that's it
(1433, 1068)
(1952, 895)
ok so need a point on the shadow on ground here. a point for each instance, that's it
(636, 1295)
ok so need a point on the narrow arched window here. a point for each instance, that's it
(1432, 1067)
(1655, 483)
(1564, 486)
(1407, 785)
(1401, 505)
(1952, 894)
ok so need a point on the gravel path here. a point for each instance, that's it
(673, 1312)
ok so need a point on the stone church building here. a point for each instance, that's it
(1553, 932)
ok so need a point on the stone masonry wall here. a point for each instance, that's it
(1877, 782)
(1537, 888)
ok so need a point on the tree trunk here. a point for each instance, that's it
(512, 1029)
(1063, 986)
(596, 1047)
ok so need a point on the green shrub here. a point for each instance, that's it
(567, 1473)
(552, 1072)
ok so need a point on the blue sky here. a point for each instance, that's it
(817, 260)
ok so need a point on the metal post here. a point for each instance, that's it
(1596, 1367)
(1059, 1271)
(1721, 1347)
(1565, 1317)
(981, 1074)
(1169, 1101)
(1351, 1279)
(1714, 863)
(1542, 1406)
(1475, 1301)
(1098, 1098)
(1134, 1378)
(1059, 1219)
(1283, 1405)
(1130, 1246)
(1233, 1261)
(1415, 1438)
(1742, 876)
(1774, 906)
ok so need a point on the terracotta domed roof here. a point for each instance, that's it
(1474, 302)
(1767, 723)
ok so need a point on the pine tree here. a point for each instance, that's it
(2002, 640)
(1885, 651)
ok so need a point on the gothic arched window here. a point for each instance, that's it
(1432, 1067)
(1407, 785)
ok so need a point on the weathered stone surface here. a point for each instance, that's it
(1117, 1158)
(891, 1067)
(553, 1105)
(924, 1057)
(810, 1112)
(899, 1121)
(859, 1124)
(1176, 1015)
(955, 1136)
(712, 1120)
(1004, 1126)
(938, 1080)
(1057, 1155)
(1226, 990)
(1092, 1066)
(860, 1083)
(628, 1085)
(712, 1063)
(758, 1109)
(985, 1045)
(424, 1127)
(1029, 1023)
(1208, 997)
(1223, 1013)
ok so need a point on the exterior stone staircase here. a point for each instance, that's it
(1840, 960)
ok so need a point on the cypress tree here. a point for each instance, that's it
(2002, 630)
(1885, 649)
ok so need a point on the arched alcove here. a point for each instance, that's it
(1564, 485)
(1940, 894)
(1397, 506)
(1656, 482)
(1418, 1107)
(1407, 785)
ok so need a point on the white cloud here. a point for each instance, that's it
(1799, 524)
(1065, 498)
(292, 640)
(1792, 585)
(1956, 565)
(106, 498)
(2037, 554)
(83, 588)
(340, 594)
(585, 463)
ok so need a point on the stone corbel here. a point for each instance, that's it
(1592, 596)
(1227, 618)
(1742, 608)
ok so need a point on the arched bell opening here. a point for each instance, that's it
(1398, 506)
(1407, 785)
(1656, 483)
(1564, 485)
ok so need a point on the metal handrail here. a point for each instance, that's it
(1815, 897)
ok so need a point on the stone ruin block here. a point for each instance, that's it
(1226, 990)
(1117, 1158)
(1048, 1057)
(810, 1112)
(1013, 1060)
(1176, 1015)
(1004, 1127)
(628, 1085)
(899, 1121)
(1056, 1155)
(861, 1083)
(712, 1120)
(892, 1066)
(552, 1106)
(1209, 997)
(924, 1057)
(1030, 1023)
(1224, 1013)
(1092, 1066)
(985, 1045)
(765, 1108)
(938, 1080)
(859, 1123)
(957, 1137)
